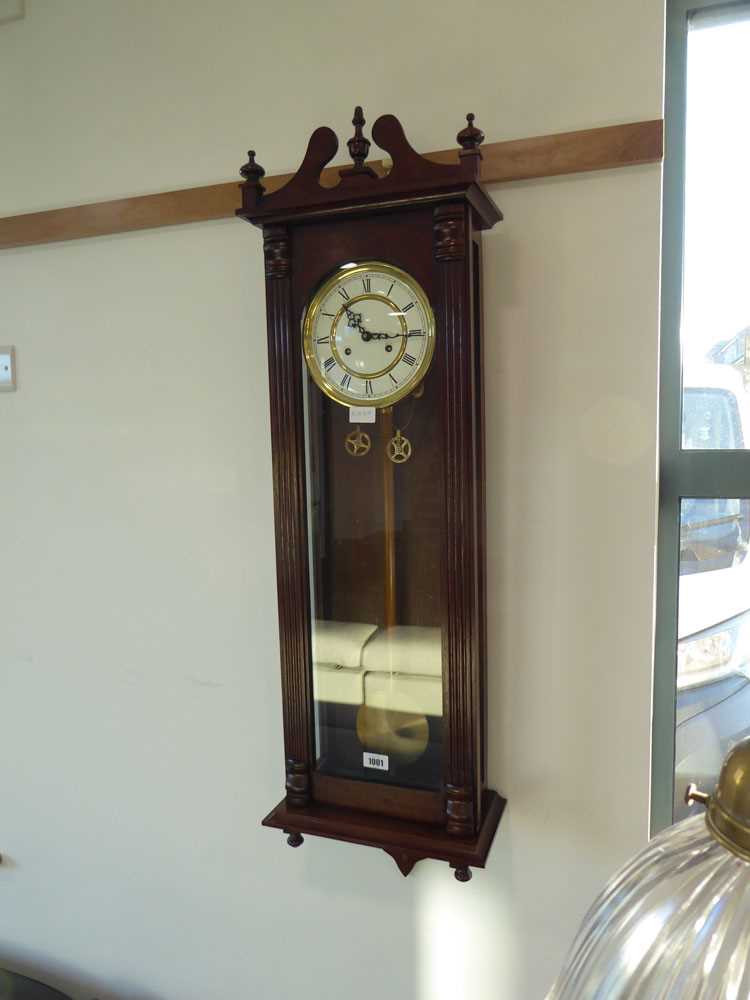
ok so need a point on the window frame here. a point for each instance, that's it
(682, 472)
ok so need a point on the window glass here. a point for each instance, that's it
(712, 692)
(713, 649)
(713, 534)
(716, 295)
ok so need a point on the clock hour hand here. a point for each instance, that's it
(355, 320)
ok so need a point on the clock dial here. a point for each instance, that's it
(369, 335)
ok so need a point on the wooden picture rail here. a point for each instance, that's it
(518, 159)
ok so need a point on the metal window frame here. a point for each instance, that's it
(682, 473)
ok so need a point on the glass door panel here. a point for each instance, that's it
(375, 530)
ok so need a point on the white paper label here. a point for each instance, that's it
(361, 414)
(376, 760)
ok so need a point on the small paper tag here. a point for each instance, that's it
(361, 414)
(376, 760)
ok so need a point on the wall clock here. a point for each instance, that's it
(362, 345)
(373, 303)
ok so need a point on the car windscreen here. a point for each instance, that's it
(710, 419)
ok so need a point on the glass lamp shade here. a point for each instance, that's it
(674, 923)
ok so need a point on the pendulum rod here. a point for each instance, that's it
(389, 522)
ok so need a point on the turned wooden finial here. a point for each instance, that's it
(252, 189)
(358, 145)
(252, 171)
(470, 137)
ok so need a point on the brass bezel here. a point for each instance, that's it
(335, 392)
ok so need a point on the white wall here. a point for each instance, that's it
(140, 713)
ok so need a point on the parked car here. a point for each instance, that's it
(713, 651)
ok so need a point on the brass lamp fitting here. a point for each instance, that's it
(728, 809)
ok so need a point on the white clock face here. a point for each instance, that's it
(369, 335)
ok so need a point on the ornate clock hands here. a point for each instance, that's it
(374, 335)
(395, 336)
(355, 319)
(355, 322)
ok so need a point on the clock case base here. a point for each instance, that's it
(406, 842)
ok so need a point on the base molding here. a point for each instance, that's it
(406, 842)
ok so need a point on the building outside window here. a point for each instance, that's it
(702, 673)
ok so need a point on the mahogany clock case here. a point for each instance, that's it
(425, 219)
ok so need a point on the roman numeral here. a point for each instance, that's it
(329, 363)
(324, 340)
(409, 359)
(346, 379)
(332, 315)
(408, 307)
(394, 380)
(344, 294)
(391, 288)
(366, 284)
(416, 333)
(368, 387)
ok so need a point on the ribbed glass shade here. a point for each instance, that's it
(673, 924)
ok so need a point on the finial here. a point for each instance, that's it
(358, 145)
(251, 170)
(252, 189)
(470, 137)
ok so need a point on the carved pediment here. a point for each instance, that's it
(411, 176)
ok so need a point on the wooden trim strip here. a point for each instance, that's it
(518, 159)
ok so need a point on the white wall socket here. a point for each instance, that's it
(7, 369)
